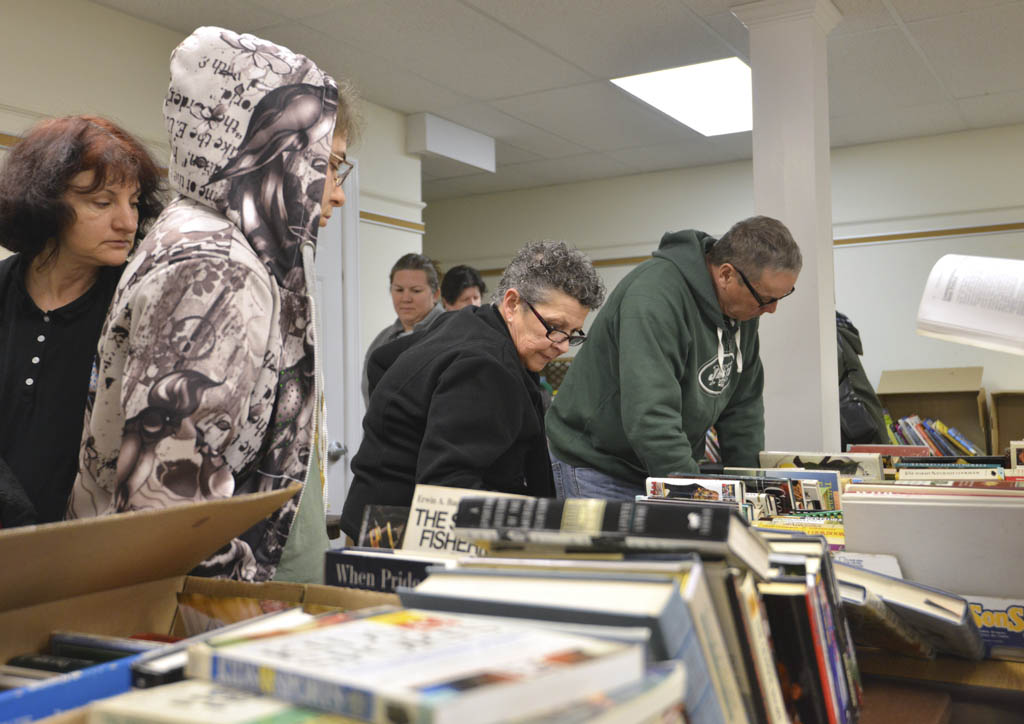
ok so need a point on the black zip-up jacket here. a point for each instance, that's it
(456, 407)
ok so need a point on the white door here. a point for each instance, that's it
(338, 304)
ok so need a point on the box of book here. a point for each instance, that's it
(122, 575)
(953, 395)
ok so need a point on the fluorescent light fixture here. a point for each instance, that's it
(711, 98)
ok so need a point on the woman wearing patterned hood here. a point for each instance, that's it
(209, 378)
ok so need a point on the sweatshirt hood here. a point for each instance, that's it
(846, 329)
(250, 126)
(686, 249)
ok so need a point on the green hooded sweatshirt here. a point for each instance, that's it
(659, 368)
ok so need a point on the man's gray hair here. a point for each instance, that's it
(544, 266)
(756, 244)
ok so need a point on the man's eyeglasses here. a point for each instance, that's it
(757, 297)
(556, 335)
(342, 168)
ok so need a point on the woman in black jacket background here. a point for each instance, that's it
(459, 404)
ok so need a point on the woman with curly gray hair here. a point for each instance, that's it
(458, 404)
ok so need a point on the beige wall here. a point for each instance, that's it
(64, 57)
(939, 182)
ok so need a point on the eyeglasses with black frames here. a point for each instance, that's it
(757, 297)
(556, 335)
(341, 168)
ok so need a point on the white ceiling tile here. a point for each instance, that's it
(187, 15)
(546, 172)
(878, 70)
(681, 155)
(452, 45)
(870, 126)
(506, 153)
(441, 168)
(733, 32)
(298, 9)
(975, 53)
(611, 38)
(912, 10)
(598, 115)
(375, 77)
(486, 119)
(996, 109)
(861, 15)
(705, 8)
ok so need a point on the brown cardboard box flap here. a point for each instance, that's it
(58, 560)
(940, 379)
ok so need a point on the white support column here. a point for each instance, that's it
(789, 68)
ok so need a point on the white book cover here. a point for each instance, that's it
(423, 666)
(432, 517)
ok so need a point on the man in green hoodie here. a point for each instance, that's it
(672, 352)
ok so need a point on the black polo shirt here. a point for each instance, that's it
(46, 362)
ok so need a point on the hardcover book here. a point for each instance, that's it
(613, 525)
(943, 619)
(432, 518)
(853, 465)
(376, 569)
(420, 667)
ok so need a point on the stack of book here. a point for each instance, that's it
(393, 664)
(689, 574)
(938, 437)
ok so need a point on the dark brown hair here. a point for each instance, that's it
(38, 170)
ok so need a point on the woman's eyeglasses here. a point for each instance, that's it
(556, 335)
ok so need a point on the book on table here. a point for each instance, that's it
(670, 598)
(596, 525)
(378, 569)
(857, 465)
(943, 619)
(419, 666)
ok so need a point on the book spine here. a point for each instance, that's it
(577, 521)
(964, 442)
(205, 662)
(888, 427)
(373, 573)
(822, 655)
(980, 473)
(922, 433)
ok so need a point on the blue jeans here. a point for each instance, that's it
(573, 482)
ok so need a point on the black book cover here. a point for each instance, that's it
(600, 519)
(380, 571)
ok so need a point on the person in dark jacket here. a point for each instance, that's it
(75, 195)
(461, 406)
(860, 411)
(673, 352)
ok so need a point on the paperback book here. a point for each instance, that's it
(593, 524)
(419, 667)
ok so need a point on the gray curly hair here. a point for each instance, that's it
(543, 266)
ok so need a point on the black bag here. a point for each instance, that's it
(855, 421)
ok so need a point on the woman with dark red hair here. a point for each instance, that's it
(75, 195)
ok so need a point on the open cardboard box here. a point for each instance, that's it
(120, 575)
(951, 394)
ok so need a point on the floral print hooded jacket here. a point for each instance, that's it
(207, 379)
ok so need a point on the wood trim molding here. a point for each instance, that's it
(912, 235)
(383, 220)
(7, 140)
(908, 236)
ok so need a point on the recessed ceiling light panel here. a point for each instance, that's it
(711, 98)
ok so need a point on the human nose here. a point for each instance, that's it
(126, 218)
(770, 309)
(563, 346)
(337, 196)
